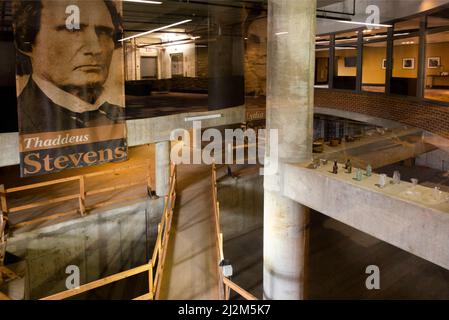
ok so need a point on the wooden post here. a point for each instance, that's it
(226, 292)
(149, 176)
(82, 196)
(4, 206)
(159, 244)
(3, 221)
(150, 280)
(221, 247)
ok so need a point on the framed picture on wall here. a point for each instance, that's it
(408, 63)
(384, 64)
(433, 62)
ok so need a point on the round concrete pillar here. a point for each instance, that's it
(226, 58)
(290, 76)
(285, 247)
(162, 168)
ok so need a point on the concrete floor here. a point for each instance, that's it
(191, 264)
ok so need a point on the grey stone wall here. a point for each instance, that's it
(241, 205)
(100, 244)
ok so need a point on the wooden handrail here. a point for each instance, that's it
(4, 296)
(43, 203)
(156, 263)
(216, 208)
(245, 294)
(81, 196)
(99, 283)
(42, 184)
(219, 240)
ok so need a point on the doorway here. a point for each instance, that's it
(148, 68)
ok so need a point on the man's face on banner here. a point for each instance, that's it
(74, 58)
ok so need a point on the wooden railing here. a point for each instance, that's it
(231, 285)
(154, 267)
(81, 195)
(225, 284)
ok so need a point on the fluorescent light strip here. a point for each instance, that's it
(206, 117)
(401, 34)
(176, 42)
(365, 23)
(157, 29)
(281, 33)
(144, 1)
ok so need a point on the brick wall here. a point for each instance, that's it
(424, 115)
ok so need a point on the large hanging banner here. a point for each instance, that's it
(70, 84)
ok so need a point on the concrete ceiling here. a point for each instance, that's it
(143, 17)
(324, 3)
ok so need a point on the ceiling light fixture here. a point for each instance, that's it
(144, 1)
(281, 33)
(401, 34)
(154, 30)
(205, 117)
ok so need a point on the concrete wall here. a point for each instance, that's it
(140, 132)
(241, 215)
(418, 228)
(241, 205)
(133, 56)
(438, 159)
(147, 52)
(100, 244)
(189, 64)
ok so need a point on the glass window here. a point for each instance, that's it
(345, 67)
(374, 66)
(437, 67)
(194, 50)
(405, 66)
(374, 59)
(345, 62)
(322, 67)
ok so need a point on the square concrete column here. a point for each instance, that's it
(162, 168)
(290, 88)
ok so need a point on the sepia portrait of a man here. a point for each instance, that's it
(65, 52)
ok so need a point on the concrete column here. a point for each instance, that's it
(226, 58)
(162, 168)
(290, 74)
